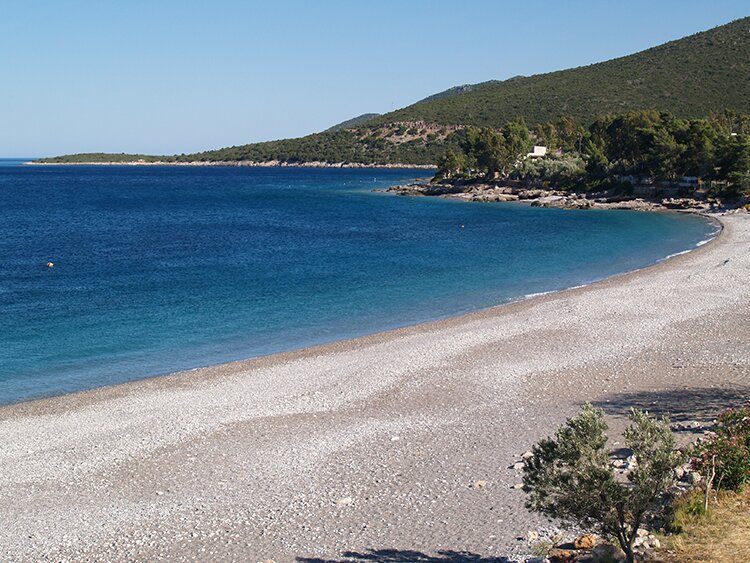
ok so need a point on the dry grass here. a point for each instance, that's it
(721, 535)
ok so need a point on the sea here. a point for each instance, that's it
(113, 273)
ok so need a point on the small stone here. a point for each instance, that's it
(693, 478)
(517, 486)
(655, 543)
(517, 466)
(642, 533)
(478, 484)
(532, 536)
(586, 541)
(607, 553)
(528, 454)
(557, 554)
(395, 438)
(346, 501)
(632, 462)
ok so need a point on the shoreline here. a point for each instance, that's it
(644, 198)
(399, 440)
(426, 325)
(241, 163)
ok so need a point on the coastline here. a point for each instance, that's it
(643, 198)
(241, 163)
(414, 327)
(369, 429)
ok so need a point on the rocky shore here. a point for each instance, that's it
(539, 197)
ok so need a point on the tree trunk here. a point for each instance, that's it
(629, 555)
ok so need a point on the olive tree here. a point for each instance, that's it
(571, 477)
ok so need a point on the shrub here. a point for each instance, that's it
(563, 171)
(725, 457)
(570, 477)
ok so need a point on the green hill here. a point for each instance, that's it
(353, 122)
(455, 91)
(690, 77)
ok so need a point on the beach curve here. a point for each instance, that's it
(375, 442)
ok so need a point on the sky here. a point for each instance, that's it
(167, 77)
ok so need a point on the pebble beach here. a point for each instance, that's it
(400, 443)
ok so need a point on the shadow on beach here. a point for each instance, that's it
(680, 405)
(407, 556)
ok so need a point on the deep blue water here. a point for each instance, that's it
(159, 269)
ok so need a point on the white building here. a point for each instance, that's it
(537, 152)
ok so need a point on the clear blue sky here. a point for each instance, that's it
(164, 76)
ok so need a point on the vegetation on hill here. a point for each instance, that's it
(456, 90)
(690, 78)
(630, 148)
(353, 122)
(408, 143)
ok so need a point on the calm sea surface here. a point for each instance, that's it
(160, 269)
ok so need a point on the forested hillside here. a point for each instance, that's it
(690, 78)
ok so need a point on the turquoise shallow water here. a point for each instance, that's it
(160, 269)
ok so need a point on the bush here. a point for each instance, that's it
(725, 457)
(562, 171)
(570, 477)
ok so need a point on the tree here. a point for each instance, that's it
(734, 158)
(570, 133)
(517, 141)
(664, 154)
(728, 121)
(699, 139)
(597, 165)
(546, 134)
(571, 477)
(450, 165)
(486, 147)
(628, 139)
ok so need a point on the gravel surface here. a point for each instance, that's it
(391, 447)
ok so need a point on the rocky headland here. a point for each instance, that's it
(643, 198)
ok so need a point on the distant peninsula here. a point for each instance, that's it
(138, 160)
(691, 77)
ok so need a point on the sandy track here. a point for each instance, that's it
(373, 443)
